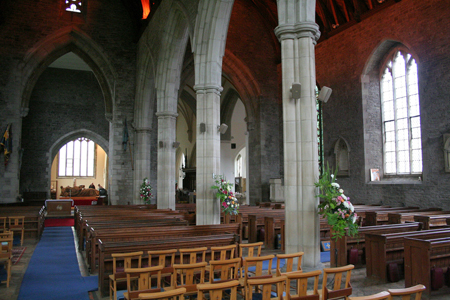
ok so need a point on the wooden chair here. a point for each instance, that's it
(3, 226)
(406, 293)
(17, 223)
(194, 255)
(126, 260)
(228, 269)
(337, 291)
(258, 263)
(265, 286)
(301, 285)
(190, 275)
(6, 245)
(217, 290)
(223, 252)
(166, 258)
(250, 250)
(378, 296)
(143, 276)
(176, 294)
(290, 259)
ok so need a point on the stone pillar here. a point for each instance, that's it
(166, 159)
(298, 34)
(142, 152)
(208, 153)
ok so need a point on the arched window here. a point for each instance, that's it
(402, 143)
(77, 158)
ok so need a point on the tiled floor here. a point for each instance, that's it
(361, 284)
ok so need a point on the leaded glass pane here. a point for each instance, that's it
(401, 108)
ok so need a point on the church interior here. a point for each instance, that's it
(128, 110)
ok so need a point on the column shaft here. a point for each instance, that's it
(208, 155)
(166, 159)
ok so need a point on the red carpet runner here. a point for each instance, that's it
(58, 222)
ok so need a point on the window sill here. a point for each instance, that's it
(387, 181)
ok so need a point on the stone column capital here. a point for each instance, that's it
(147, 130)
(166, 114)
(208, 88)
(298, 30)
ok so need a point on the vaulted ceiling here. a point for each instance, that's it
(332, 16)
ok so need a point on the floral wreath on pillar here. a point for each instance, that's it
(228, 202)
(145, 192)
(336, 207)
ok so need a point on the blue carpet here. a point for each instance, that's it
(53, 271)
(325, 256)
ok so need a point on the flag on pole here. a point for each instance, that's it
(6, 143)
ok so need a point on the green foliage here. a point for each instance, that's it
(145, 192)
(335, 206)
(228, 202)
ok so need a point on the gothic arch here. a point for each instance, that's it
(371, 103)
(246, 85)
(68, 39)
(226, 111)
(98, 139)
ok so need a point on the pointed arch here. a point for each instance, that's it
(245, 83)
(68, 39)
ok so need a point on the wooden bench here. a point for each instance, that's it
(433, 221)
(380, 217)
(421, 256)
(107, 248)
(343, 245)
(151, 233)
(146, 220)
(34, 218)
(256, 222)
(382, 249)
(397, 218)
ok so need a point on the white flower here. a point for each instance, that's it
(352, 208)
(345, 197)
(346, 204)
(332, 176)
(341, 191)
(354, 218)
(336, 185)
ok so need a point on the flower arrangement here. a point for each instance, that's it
(228, 202)
(336, 206)
(145, 192)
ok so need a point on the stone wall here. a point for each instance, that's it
(63, 101)
(36, 33)
(347, 62)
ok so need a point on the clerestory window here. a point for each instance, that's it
(399, 89)
(77, 158)
(74, 6)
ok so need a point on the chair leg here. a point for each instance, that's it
(21, 240)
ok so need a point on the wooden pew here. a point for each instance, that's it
(272, 227)
(433, 221)
(107, 248)
(380, 217)
(343, 245)
(397, 218)
(256, 222)
(421, 255)
(382, 249)
(126, 216)
(147, 220)
(151, 233)
(34, 218)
